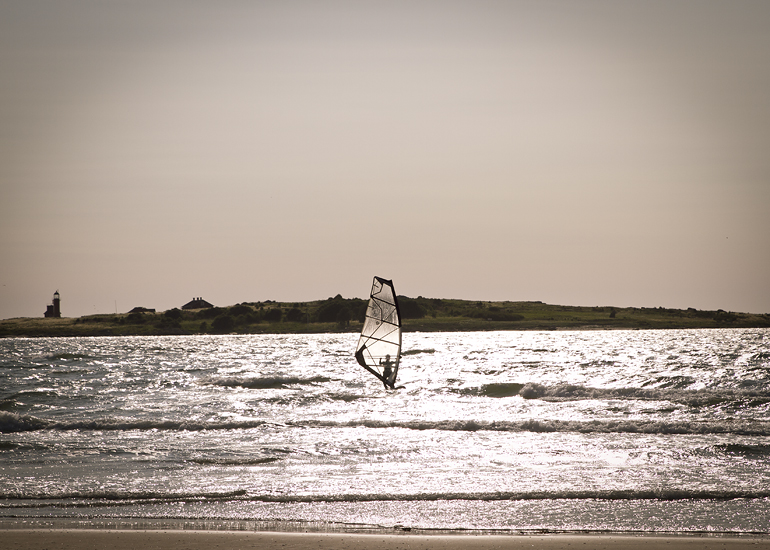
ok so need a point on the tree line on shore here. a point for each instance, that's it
(340, 314)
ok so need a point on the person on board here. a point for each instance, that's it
(387, 373)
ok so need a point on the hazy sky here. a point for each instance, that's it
(574, 152)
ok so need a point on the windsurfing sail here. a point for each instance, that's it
(379, 347)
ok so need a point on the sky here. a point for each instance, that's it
(574, 152)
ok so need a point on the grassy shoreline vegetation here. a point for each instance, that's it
(339, 314)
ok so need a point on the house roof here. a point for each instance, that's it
(197, 303)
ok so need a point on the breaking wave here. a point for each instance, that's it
(550, 426)
(11, 422)
(234, 461)
(571, 392)
(266, 382)
(417, 351)
(67, 356)
(746, 451)
(118, 498)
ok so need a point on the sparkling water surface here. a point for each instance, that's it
(641, 431)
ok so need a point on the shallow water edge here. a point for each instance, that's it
(288, 526)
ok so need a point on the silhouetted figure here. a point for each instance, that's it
(387, 373)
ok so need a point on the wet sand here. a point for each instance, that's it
(85, 539)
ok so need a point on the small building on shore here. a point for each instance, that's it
(54, 310)
(197, 303)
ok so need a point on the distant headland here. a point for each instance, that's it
(340, 314)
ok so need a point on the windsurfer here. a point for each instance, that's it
(387, 372)
(379, 347)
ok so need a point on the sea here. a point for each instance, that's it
(645, 431)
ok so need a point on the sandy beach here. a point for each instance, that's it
(84, 539)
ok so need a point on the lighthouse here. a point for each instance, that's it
(54, 310)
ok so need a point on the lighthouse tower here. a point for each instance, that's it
(55, 309)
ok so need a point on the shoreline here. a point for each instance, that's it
(331, 528)
(340, 315)
(175, 539)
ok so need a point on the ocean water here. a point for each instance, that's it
(664, 431)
